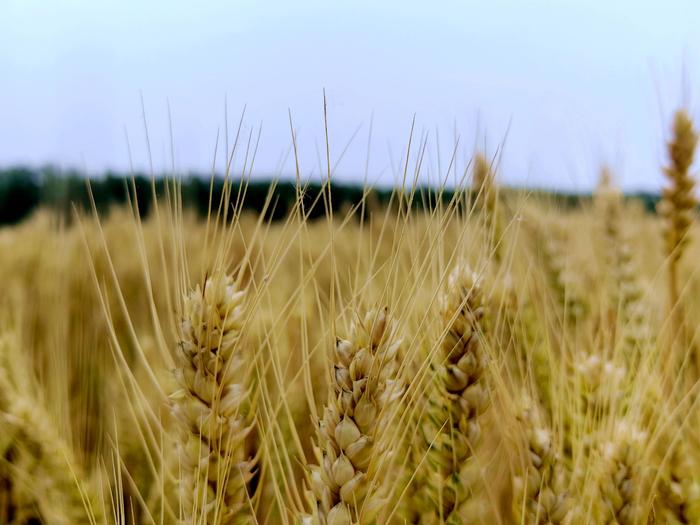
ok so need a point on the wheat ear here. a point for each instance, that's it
(451, 428)
(486, 201)
(539, 494)
(210, 406)
(601, 387)
(563, 282)
(622, 481)
(677, 205)
(627, 290)
(344, 481)
(679, 488)
(41, 464)
(678, 201)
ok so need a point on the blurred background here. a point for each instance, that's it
(558, 86)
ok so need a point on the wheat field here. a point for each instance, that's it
(492, 358)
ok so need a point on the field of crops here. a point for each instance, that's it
(487, 358)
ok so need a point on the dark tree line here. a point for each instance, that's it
(22, 190)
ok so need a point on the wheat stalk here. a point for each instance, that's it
(210, 406)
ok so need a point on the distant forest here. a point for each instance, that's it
(22, 190)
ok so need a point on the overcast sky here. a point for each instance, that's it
(563, 85)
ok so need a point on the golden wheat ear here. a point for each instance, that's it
(345, 481)
(677, 209)
(211, 406)
(678, 202)
(451, 429)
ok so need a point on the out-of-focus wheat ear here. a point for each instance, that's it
(406, 484)
(633, 311)
(48, 484)
(608, 204)
(564, 283)
(539, 487)
(623, 483)
(602, 384)
(486, 202)
(607, 200)
(677, 205)
(678, 200)
(678, 500)
(522, 336)
(627, 294)
(346, 485)
(451, 429)
(210, 406)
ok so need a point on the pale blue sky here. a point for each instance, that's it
(572, 83)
